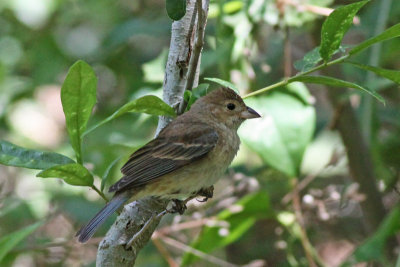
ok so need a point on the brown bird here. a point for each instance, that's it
(189, 155)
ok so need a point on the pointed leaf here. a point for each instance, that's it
(337, 83)
(176, 9)
(393, 75)
(8, 242)
(284, 130)
(312, 58)
(336, 26)
(148, 104)
(13, 155)
(223, 83)
(390, 33)
(309, 60)
(78, 96)
(73, 174)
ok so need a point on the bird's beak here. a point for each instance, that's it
(249, 114)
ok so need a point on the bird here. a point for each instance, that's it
(189, 155)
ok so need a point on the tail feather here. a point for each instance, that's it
(86, 232)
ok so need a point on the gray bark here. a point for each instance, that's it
(112, 251)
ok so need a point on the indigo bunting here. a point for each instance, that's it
(189, 155)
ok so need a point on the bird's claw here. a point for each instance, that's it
(179, 206)
(206, 193)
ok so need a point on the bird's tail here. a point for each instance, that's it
(86, 232)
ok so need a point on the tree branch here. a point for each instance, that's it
(112, 250)
(194, 66)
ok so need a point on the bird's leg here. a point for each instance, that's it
(207, 193)
(179, 206)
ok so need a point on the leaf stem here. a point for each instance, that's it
(270, 87)
(100, 193)
(79, 157)
(290, 79)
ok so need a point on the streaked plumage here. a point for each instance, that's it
(190, 154)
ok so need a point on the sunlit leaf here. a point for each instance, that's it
(393, 75)
(9, 241)
(13, 155)
(284, 130)
(336, 26)
(148, 104)
(73, 174)
(337, 83)
(390, 33)
(235, 222)
(223, 83)
(78, 96)
(176, 9)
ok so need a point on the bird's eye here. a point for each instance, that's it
(231, 106)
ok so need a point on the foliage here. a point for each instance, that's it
(243, 40)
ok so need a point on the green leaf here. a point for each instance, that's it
(309, 60)
(234, 223)
(393, 75)
(388, 34)
(335, 27)
(337, 83)
(13, 155)
(8, 242)
(78, 96)
(148, 104)
(106, 176)
(284, 130)
(373, 247)
(192, 96)
(176, 9)
(73, 174)
(312, 58)
(223, 83)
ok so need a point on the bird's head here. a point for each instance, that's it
(225, 106)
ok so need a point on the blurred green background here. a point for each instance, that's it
(250, 43)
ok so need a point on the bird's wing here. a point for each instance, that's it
(175, 147)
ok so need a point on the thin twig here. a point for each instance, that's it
(303, 183)
(308, 248)
(100, 193)
(197, 47)
(198, 253)
(289, 80)
(299, 217)
(164, 252)
(183, 226)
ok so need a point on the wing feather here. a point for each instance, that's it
(166, 153)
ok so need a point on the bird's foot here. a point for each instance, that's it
(179, 206)
(207, 193)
